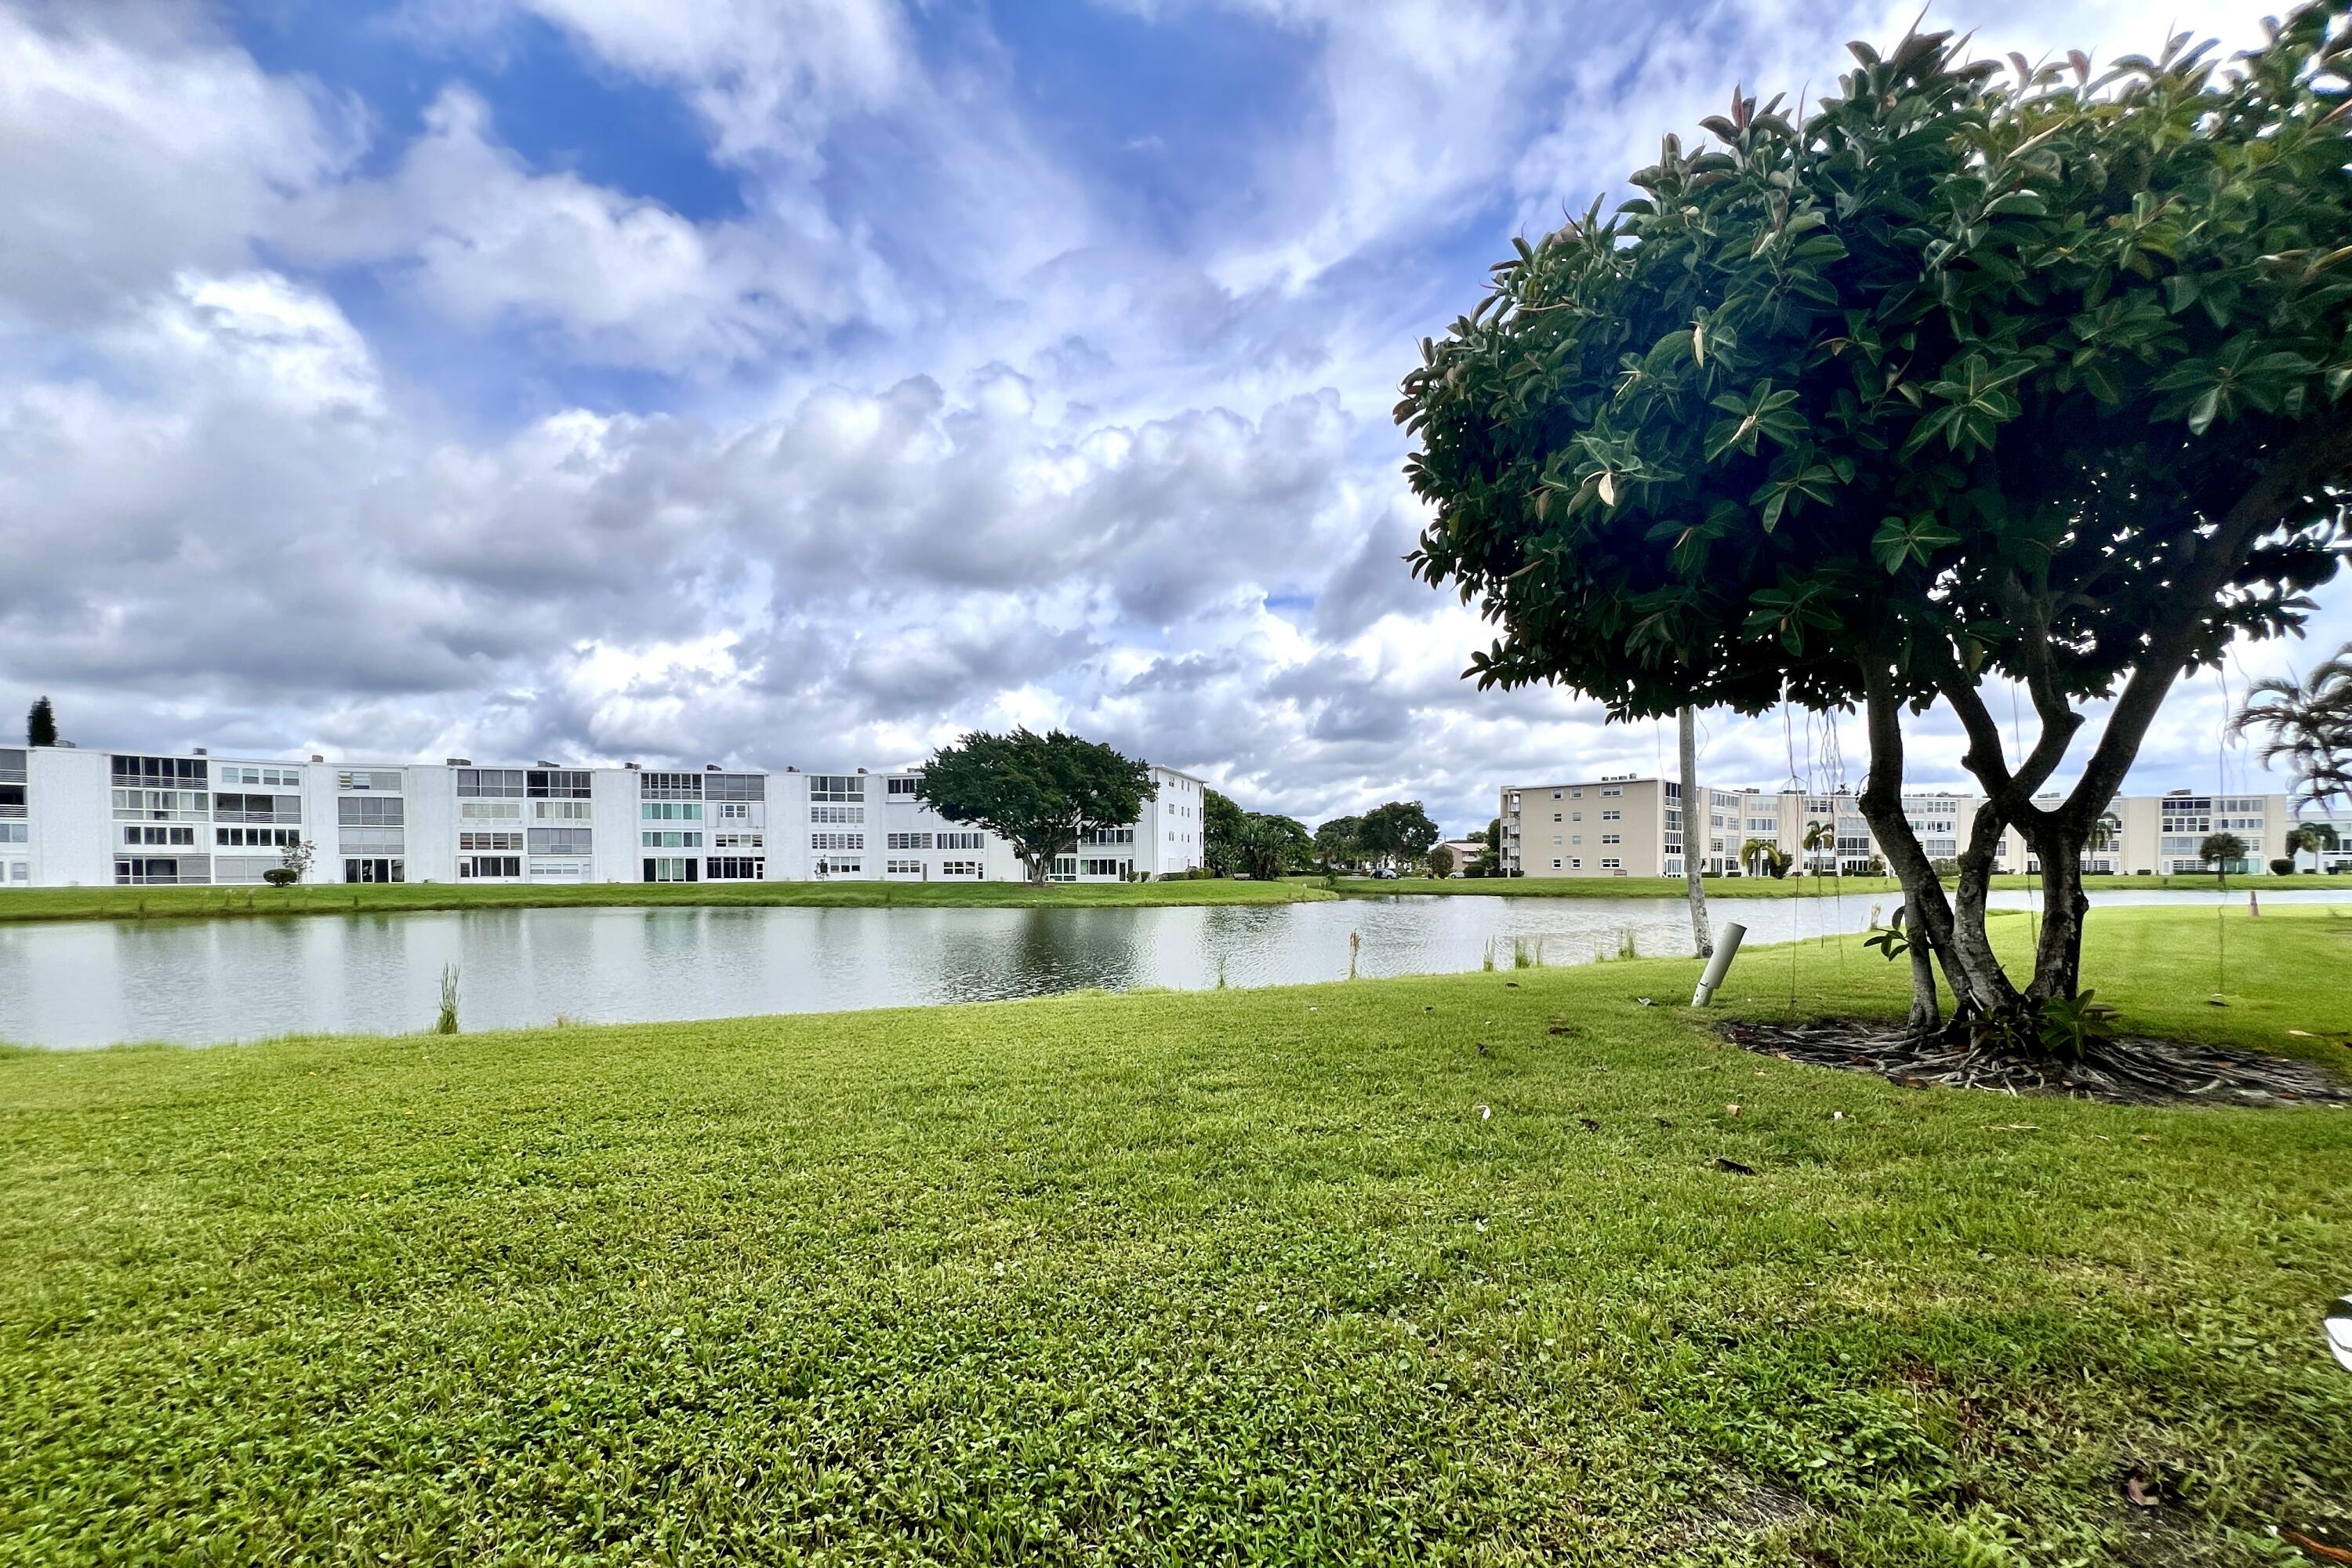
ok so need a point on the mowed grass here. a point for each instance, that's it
(389, 897)
(1791, 887)
(1433, 1271)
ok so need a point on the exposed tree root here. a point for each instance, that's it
(2122, 1070)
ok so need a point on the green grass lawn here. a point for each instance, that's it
(386, 897)
(1770, 887)
(1433, 1269)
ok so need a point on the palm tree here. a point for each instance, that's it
(2310, 725)
(2219, 849)
(1754, 854)
(2107, 834)
(2318, 838)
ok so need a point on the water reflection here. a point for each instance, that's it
(86, 984)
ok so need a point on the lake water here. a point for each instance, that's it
(79, 983)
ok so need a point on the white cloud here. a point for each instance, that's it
(132, 151)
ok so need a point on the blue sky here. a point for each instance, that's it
(810, 381)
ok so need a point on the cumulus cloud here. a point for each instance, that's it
(917, 439)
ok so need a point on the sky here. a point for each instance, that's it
(810, 381)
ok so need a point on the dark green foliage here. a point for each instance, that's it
(1267, 846)
(1221, 825)
(1039, 792)
(41, 725)
(2221, 851)
(1401, 830)
(1975, 373)
(1339, 842)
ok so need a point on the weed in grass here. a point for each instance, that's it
(447, 1023)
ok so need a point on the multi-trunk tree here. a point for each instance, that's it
(1976, 375)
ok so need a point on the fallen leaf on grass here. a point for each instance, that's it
(1734, 1167)
(2137, 1491)
(1485, 1113)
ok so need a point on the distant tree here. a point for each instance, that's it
(1441, 862)
(2220, 850)
(292, 866)
(1340, 842)
(1960, 378)
(2308, 835)
(1401, 830)
(1041, 793)
(2310, 725)
(41, 725)
(1778, 863)
(1267, 846)
(1221, 825)
(1493, 845)
(1756, 854)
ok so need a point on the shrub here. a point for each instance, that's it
(2281, 867)
(279, 876)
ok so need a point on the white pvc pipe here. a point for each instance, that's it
(1726, 948)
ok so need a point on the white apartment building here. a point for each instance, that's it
(1628, 825)
(70, 818)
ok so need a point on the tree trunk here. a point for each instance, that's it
(1977, 983)
(1695, 828)
(2058, 956)
(1927, 1011)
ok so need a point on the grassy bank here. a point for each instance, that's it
(1770, 888)
(1438, 1270)
(109, 903)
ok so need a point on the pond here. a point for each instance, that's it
(79, 983)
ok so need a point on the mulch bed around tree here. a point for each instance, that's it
(2123, 1069)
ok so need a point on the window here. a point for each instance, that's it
(12, 764)
(1108, 836)
(906, 786)
(1612, 839)
(735, 786)
(959, 868)
(739, 841)
(1575, 863)
(1098, 868)
(382, 781)
(563, 841)
(490, 811)
(162, 805)
(1611, 863)
(375, 812)
(12, 799)
(670, 786)
(256, 837)
(159, 773)
(836, 841)
(851, 814)
(838, 787)
(556, 783)
(669, 840)
(498, 784)
(146, 871)
(908, 841)
(903, 868)
(670, 869)
(167, 837)
(1065, 869)
(16, 833)
(560, 810)
(735, 869)
(1613, 789)
(275, 778)
(257, 808)
(959, 840)
(477, 867)
(471, 841)
(1555, 864)
(558, 870)
(375, 868)
(733, 811)
(1615, 815)
(668, 811)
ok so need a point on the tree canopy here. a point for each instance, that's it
(1975, 373)
(1041, 793)
(1399, 830)
(41, 723)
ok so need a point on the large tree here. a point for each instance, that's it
(1221, 830)
(1269, 846)
(1340, 841)
(1041, 793)
(41, 725)
(1975, 375)
(1399, 830)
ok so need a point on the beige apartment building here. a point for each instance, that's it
(1628, 825)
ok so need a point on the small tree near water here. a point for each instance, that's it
(1976, 376)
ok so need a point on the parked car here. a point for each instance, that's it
(1384, 874)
